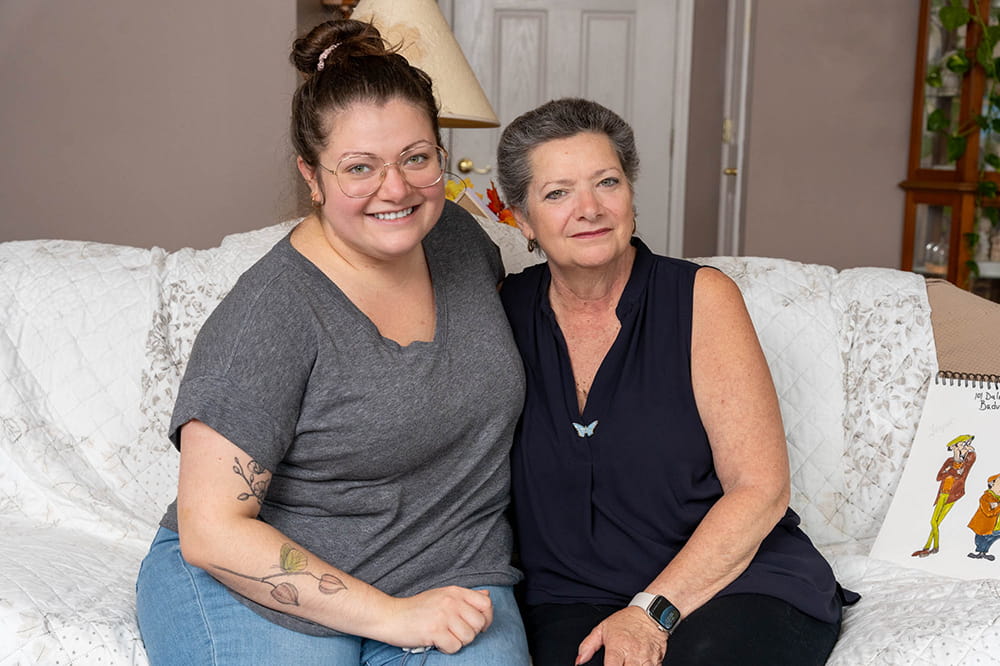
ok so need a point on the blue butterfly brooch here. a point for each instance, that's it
(585, 430)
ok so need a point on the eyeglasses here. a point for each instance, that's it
(360, 176)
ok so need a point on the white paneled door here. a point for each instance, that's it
(633, 56)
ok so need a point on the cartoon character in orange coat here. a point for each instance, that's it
(952, 476)
(986, 521)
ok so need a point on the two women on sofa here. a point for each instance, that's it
(347, 413)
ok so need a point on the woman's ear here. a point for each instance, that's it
(308, 173)
(522, 223)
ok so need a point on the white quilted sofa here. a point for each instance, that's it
(94, 339)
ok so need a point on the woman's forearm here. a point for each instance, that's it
(264, 565)
(721, 547)
(217, 507)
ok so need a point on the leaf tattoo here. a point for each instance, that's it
(292, 562)
(258, 487)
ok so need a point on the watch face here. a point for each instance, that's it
(664, 612)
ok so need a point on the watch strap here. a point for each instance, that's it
(661, 611)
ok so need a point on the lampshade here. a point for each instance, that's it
(428, 43)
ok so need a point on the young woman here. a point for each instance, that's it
(345, 419)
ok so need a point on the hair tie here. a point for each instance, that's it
(323, 56)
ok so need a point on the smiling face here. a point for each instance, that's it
(579, 203)
(393, 221)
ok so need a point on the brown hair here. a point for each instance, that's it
(357, 66)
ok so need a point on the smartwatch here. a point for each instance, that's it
(664, 613)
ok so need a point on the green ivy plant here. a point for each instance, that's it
(953, 16)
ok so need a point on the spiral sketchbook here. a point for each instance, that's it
(945, 515)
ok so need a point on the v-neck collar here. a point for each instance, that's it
(323, 281)
(631, 296)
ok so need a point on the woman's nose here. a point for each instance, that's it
(394, 185)
(587, 205)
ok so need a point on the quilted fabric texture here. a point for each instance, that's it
(71, 355)
(192, 284)
(888, 346)
(907, 616)
(67, 597)
(95, 338)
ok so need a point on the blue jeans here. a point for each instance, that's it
(188, 618)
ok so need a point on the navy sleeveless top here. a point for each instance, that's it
(604, 500)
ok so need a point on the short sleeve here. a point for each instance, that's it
(249, 369)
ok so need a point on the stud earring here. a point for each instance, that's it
(532, 245)
(316, 203)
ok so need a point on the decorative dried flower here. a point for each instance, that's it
(499, 208)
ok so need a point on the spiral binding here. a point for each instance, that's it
(967, 379)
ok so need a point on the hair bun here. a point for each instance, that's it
(334, 41)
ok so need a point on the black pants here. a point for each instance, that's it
(739, 629)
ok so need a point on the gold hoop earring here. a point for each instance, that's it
(635, 225)
(532, 245)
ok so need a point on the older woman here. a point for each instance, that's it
(650, 474)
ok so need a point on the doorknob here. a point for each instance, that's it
(730, 171)
(465, 165)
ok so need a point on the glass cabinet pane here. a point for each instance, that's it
(990, 138)
(942, 89)
(931, 240)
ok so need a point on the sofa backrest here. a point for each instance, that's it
(75, 321)
(97, 338)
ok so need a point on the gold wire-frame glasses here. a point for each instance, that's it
(360, 176)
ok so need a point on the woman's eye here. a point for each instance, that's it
(610, 181)
(555, 194)
(357, 169)
(416, 159)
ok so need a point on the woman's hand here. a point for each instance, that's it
(629, 637)
(447, 618)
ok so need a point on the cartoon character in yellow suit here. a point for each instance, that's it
(986, 521)
(952, 476)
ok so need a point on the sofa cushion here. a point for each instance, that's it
(67, 596)
(887, 344)
(76, 315)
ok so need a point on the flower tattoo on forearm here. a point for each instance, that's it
(258, 487)
(292, 563)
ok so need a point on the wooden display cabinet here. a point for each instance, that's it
(940, 209)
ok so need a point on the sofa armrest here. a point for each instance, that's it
(965, 328)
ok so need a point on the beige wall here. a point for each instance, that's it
(165, 124)
(829, 122)
(144, 123)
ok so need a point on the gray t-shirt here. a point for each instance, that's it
(389, 462)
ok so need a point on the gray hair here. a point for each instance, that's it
(558, 119)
